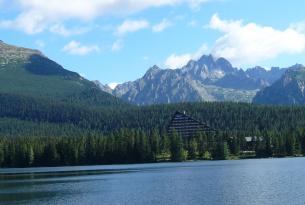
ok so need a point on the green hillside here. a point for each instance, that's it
(41, 133)
(289, 90)
(27, 72)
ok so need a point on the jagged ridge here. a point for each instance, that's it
(207, 79)
(288, 90)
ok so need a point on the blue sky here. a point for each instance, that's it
(118, 40)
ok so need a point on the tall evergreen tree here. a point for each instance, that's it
(192, 149)
(177, 150)
(268, 148)
(50, 155)
(290, 145)
(235, 146)
(1, 154)
(221, 152)
(155, 144)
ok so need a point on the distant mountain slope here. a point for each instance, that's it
(207, 79)
(269, 76)
(289, 90)
(27, 72)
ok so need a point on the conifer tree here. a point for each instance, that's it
(177, 150)
(192, 149)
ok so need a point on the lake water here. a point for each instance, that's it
(246, 182)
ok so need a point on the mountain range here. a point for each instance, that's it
(207, 79)
(27, 72)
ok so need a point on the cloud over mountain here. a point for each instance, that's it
(76, 48)
(250, 43)
(35, 15)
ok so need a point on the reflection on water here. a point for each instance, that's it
(267, 181)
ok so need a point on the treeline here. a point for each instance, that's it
(37, 132)
(134, 146)
(241, 117)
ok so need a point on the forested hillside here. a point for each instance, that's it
(288, 90)
(28, 72)
(44, 133)
(50, 116)
(241, 117)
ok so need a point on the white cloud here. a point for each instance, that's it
(85, 10)
(33, 23)
(245, 44)
(204, 49)
(161, 26)
(117, 45)
(76, 48)
(30, 22)
(113, 85)
(129, 26)
(36, 15)
(195, 4)
(178, 61)
(63, 31)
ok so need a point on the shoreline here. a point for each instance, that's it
(109, 168)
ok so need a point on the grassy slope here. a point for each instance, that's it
(15, 78)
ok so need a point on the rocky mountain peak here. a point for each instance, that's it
(152, 71)
(296, 67)
(10, 53)
(207, 79)
(105, 88)
(154, 68)
(289, 89)
(225, 65)
(212, 63)
(207, 61)
(259, 69)
(275, 68)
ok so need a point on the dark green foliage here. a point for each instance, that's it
(259, 148)
(268, 147)
(40, 65)
(155, 144)
(290, 145)
(234, 145)
(239, 118)
(42, 79)
(288, 90)
(42, 132)
(176, 147)
(50, 116)
(192, 148)
(126, 146)
(1, 154)
(221, 152)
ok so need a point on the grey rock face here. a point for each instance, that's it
(10, 54)
(207, 79)
(104, 88)
(288, 90)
